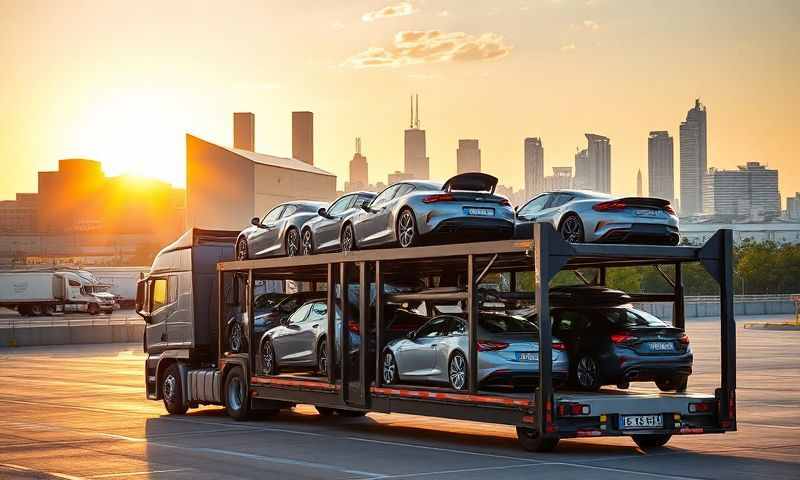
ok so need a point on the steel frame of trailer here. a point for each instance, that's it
(546, 255)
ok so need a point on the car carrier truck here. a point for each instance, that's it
(45, 292)
(194, 286)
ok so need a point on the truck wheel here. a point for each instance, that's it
(36, 310)
(49, 310)
(651, 441)
(24, 310)
(172, 391)
(237, 395)
(93, 309)
(325, 411)
(533, 442)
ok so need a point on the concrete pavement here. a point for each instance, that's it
(80, 412)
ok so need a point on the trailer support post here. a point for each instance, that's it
(363, 306)
(220, 311)
(378, 323)
(329, 338)
(472, 320)
(542, 276)
(249, 291)
(344, 348)
(678, 306)
(727, 395)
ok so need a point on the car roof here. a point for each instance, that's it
(423, 184)
(587, 296)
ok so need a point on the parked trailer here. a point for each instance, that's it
(355, 387)
(120, 281)
(45, 292)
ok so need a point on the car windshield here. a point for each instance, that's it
(628, 317)
(494, 323)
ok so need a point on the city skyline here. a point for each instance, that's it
(128, 103)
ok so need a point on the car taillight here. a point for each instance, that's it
(354, 327)
(490, 345)
(504, 202)
(610, 205)
(439, 197)
(622, 337)
(701, 407)
(573, 409)
(669, 209)
(559, 346)
(683, 339)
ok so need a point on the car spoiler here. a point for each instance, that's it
(644, 202)
(472, 181)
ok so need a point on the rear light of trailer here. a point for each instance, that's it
(609, 206)
(668, 208)
(439, 197)
(490, 345)
(354, 327)
(683, 339)
(573, 409)
(559, 346)
(701, 407)
(622, 337)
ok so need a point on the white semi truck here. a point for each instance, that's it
(45, 292)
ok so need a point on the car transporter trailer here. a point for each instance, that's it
(541, 417)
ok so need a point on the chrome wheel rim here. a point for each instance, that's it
(389, 369)
(587, 372)
(236, 337)
(292, 243)
(241, 250)
(308, 248)
(170, 386)
(323, 359)
(572, 231)
(267, 358)
(347, 239)
(458, 372)
(406, 229)
(235, 393)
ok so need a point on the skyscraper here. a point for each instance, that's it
(534, 166)
(660, 165)
(582, 179)
(693, 159)
(639, 192)
(416, 157)
(359, 170)
(599, 162)
(303, 136)
(468, 156)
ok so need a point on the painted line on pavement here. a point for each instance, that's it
(146, 472)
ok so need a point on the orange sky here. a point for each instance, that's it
(123, 82)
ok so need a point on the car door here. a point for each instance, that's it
(283, 337)
(327, 230)
(372, 224)
(551, 210)
(265, 234)
(304, 340)
(453, 335)
(159, 311)
(528, 214)
(417, 357)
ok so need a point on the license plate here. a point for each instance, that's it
(646, 212)
(661, 346)
(480, 212)
(641, 421)
(528, 356)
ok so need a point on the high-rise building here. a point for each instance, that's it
(303, 136)
(694, 162)
(599, 162)
(660, 165)
(244, 131)
(416, 157)
(560, 179)
(468, 156)
(750, 192)
(399, 176)
(534, 166)
(793, 206)
(639, 192)
(582, 179)
(359, 171)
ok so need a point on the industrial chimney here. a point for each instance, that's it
(244, 131)
(303, 136)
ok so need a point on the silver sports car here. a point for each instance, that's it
(585, 216)
(508, 353)
(278, 233)
(406, 213)
(323, 232)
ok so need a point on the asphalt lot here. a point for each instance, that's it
(79, 412)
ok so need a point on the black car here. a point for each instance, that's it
(612, 343)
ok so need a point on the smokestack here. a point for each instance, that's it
(244, 131)
(303, 136)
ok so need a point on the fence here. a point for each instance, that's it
(708, 306)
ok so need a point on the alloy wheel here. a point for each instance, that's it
(406, 230)
(347, 238)
(235, 393)
(236, 337)
(292, 242)
(322, 361)
(169, 388)
(389, 369)
(308, 246)
(588, 373)
(458, 372)
(572, 229)
(241, 250)
(268, 358)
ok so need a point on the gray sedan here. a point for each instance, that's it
(585, 216)
(464, 207)
(508, 353)
(323, 232)
(277, 233)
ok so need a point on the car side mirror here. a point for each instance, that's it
(256, 222)
(366, 208)
(411, 335)
(323, 212)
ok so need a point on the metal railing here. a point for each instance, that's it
(66, 321)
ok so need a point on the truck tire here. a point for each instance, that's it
(172, 390)
(49, 310)
(24, 310)
(533, 442)
(93, 309)
(37, 310)
(237, 394)
(646, 442)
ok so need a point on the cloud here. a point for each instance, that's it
(397, 10)
(432, 46)
(591, 24)
(570, 47)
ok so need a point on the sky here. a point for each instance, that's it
(123, 82)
